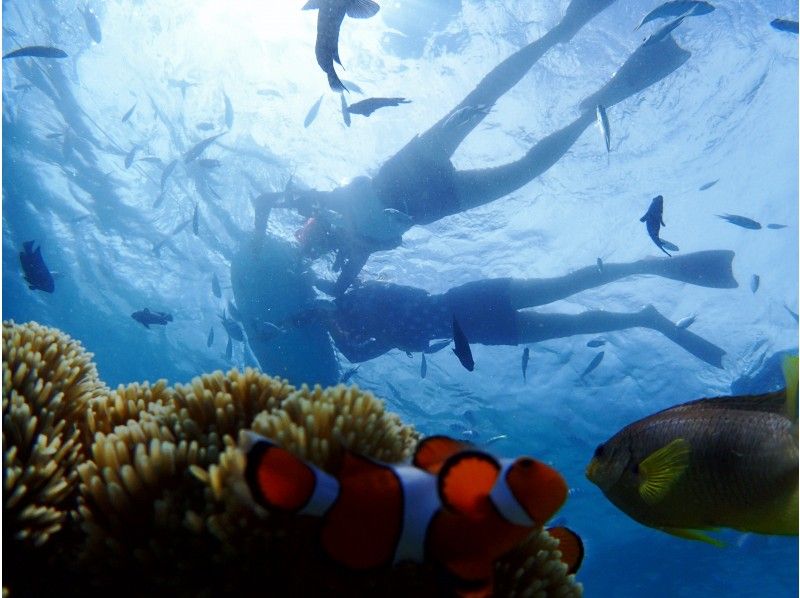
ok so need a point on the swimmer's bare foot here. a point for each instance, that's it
(689, 341)
(580, 12)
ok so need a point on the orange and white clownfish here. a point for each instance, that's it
(454, 505)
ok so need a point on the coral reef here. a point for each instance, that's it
(139, 490)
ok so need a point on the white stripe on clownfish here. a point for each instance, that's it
(326, 491)
(420, 503)
(504, 500)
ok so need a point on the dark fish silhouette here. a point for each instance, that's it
(776, 226)
(755, 281)
(352, 86)
(663, 33)
(742, 221)
(792, 313)
(329, 20)
(462, 349)
(593, 363)
(232, 327)
(654, 220)
(181, 84)
(423, 367)
(92, 24)
(200, 147)
(54, 135)
(708, 185)
(151, 159)
(166, 172)
(215, 288)
(36, 52)
(676, 8)
(35, 270)
(204, 126)
(129, 113)
(229, 349)
(131, 156)
(228, 111)
(196, 220)
(209, 163)
(596, 342)
(605, 128)
(669, 246)
(312, 113)
(210, 340)
(526, 355)
(349, 374)
(370, 105)
(157, 247)
(147, 317)
(234, 311)
(345, 111)
(784, 25)
(438, 346)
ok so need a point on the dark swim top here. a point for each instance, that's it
(418, 182)
(375, 317)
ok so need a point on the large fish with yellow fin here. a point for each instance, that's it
(708, 464)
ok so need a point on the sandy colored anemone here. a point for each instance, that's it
(152, 478)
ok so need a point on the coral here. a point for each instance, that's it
(148, 479)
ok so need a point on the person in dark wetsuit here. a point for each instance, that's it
(419, 184)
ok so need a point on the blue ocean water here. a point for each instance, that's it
(728, 115)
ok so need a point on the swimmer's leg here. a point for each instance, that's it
(650, 63)
(703, 268)
(444, 137)
(536, 327)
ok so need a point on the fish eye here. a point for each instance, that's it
(525, 463)
(598, 452)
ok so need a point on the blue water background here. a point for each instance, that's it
(730, 114)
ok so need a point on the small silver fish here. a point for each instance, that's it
(593, 363)
(602, 122)
(196, 220)
(754, 282)
(128, 114)
(686, 322)
(423, 368)
(210, 340)
(526, 355)
(345, 111)
(199, 147)
(312, 113)
(129, 158)
(708, 185)
(92, 24)
(228, 111)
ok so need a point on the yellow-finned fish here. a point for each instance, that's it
(707, 464)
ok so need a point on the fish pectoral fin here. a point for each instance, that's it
(662, 468)
(362, 9)
(693, 534)
(790, 373)
(643, 218)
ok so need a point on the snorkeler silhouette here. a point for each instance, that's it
(419, 184)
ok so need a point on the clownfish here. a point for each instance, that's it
(455, 506)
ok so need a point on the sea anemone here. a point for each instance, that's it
(146, 482)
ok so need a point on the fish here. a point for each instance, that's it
(494, 439)
(708, 185)
(349, 374)
(352, 86)
(423, 367)
(92, 24)
(146, 317)
(128, 114)
(269, 93)
(723, 462)
(776, 226)
(200, 147)
(166, 172)
(784, 25)
(686, 322)
(437, 346)
(36, 52)
(209, 163)
(742, 221)
(600, 265)
(266, 331)
(228, 111)
(35, 271)
(329, 20)
(215, 288)
(54, 135)
(596, 342)
(662, 33)
(232, 327)
(654, 220)
(345, 111)
(229, 349)
(234, 311)
(669, 246)
(526, 355)
(593, 363)
(462, 349)
(463, 116)
(676, 8)
(210, 340)
(131, 156)
(755, 280)
(196, 220)
(370, 105)
(204, 126)
(454, 506)
(157, 247)
(181, 84)
(312, 113)
(792, 313)
(151, 159)
(602, 123)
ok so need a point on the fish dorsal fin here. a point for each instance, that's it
(790, 366)
(693, 534)
(146, 310)
(466, 480)
(570, 546)
(362, 9)
(311, 5)
(433, 451)
(354, 464)
(662, 468)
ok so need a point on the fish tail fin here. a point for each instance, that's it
(790, 374)
(713, 268)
